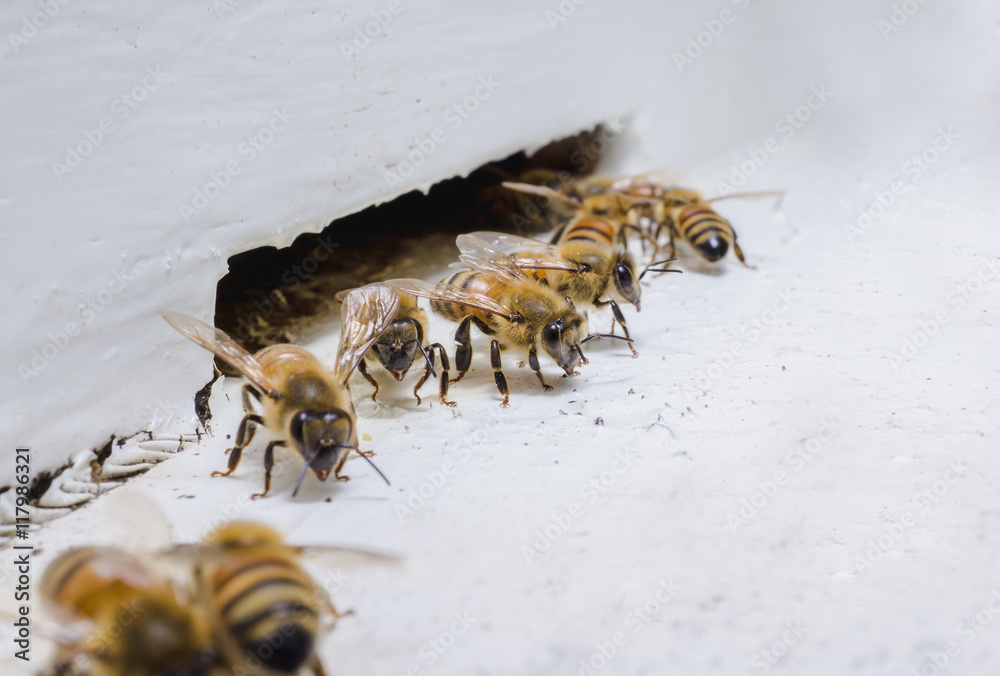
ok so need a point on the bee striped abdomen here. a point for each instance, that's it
(271, 607)
(706, 230)
(468, 280)
(592, 230)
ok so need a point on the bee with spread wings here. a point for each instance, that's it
(304, 404)
(396, 344)
(509, 307)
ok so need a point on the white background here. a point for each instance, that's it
(879, 551)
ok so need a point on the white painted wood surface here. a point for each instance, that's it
(146, 145)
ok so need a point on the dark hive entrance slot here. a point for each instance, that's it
(286, 295)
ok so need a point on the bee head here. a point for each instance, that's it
(626, 281)
(398, 347)
(324, 440)
(561, 337)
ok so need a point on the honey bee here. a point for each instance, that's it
(681, 213)
(651, 209)
(305, 405)
(137, 622)
(592, 250)
(238, 602)
(396, 347)
(265, 610)
(509, 307)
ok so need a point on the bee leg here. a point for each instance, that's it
(445, 367)
(429, 351)
(498, 375)
(363, 370)
(315, 666)
(739, 254)
(620, 320)
(333, 611)
(463, 353)
(533, 362)
(247, 391)
(673, 242)
(268, 464)
(244, 435)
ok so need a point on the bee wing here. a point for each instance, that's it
(482, 256)
(543, 191)
(223, 347)
(341, 295)
(664, 177)
(365, 315)
(528, 254)
(447, 293)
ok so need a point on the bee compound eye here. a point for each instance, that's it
(552, 336)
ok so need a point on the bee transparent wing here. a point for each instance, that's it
(514, 243)
(341, 295)
(559, 198)
(662, 177)
(482, 256)
(365, 315)
(223, 347)
(528, 254)
(448, 293)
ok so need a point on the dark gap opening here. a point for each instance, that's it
(286, 295)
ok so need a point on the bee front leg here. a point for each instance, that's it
(463, 353)
(363, 370)
(533, 363)
(619, 319)
(268, 464)
(445, 368)
(498, 375)
(244, 435)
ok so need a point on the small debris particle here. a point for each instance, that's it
(599, 421)
(366, 436)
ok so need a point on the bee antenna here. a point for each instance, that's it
(430, 364)
(650, 268)
(302, 475)
(605, 335)
(369, 461)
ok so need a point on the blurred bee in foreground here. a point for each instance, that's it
(304, 404)
(395, 346)
(122, 617)
(264, 608)
(508, 306)
(239, 602)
